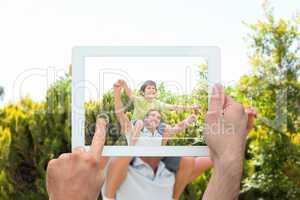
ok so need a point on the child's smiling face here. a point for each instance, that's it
(150, 92)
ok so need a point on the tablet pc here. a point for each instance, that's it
(183, 76)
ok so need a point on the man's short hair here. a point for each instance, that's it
(151, 110)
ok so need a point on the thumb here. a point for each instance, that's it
(217, 100)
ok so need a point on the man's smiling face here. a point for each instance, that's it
(152, 119)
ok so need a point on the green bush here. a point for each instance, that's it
(33, 134)
(272, 169)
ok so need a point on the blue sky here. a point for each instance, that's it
(37, 36)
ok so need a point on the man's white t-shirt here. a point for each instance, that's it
(142, 183)
(148, 139)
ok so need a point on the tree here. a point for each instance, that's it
(33, 134)
(273, 159)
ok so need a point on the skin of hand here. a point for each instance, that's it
(226, 125)
(184, 124)
(196, 107)
(191, 118)
(78, 175)
(225, 134)
(118, 84)
(121, 82)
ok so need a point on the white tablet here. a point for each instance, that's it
(183, 76)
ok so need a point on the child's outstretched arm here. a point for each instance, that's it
(171, 131)
(182, 107)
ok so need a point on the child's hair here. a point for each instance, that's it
(145, 84)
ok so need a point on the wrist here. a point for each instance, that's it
(225, 180)
(229, 164)
(231, 169)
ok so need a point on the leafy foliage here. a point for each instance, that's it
(273, 164)
(32, 134)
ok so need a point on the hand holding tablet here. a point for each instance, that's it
(78, 175)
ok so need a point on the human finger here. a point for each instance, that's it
(217, 99)
(64, 156)
(98, 139)
(79, 149)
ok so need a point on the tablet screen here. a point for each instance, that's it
(163, 100)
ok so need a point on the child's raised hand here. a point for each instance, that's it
(121, 82)
(117, 86)
(196, 106)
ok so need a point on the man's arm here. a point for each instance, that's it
(171, 131)
(128, 91)
(225, 133)
(122, 118)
